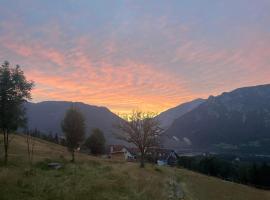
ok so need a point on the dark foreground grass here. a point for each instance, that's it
(98, 179)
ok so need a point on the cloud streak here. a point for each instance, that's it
(135, 58)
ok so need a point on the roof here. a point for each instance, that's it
(117, 148)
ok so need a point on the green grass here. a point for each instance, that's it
(97, 179)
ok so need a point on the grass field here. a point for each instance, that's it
(95, 179)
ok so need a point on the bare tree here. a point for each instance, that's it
(30, 141)
(141, 129)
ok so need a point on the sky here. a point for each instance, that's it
(134, 54)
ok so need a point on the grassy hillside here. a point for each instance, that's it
(96, 179)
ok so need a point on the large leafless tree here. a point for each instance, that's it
(141, 129)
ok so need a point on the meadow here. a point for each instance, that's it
(103, 179)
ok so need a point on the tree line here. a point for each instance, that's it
(249, 173)
(94, 144)
(50, 137)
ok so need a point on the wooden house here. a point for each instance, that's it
(121, 152)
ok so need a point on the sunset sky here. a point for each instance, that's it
(132, 54)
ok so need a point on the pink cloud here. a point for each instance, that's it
(110, 75)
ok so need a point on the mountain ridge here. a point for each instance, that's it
(237, 121)
(47, 116)
(167, 117)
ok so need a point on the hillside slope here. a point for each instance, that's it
(167, 117)
(47, 117)
(233, 121)
(100, 179)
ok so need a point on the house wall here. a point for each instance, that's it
(118, 156)
(121, 154)
(127, 154)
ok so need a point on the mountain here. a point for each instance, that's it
(47, 116)
(167, 117)
(233, 121)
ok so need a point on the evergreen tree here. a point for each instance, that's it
(56, 139)
(96, 142)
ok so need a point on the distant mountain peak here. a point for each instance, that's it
(237, 118)
(167, 117)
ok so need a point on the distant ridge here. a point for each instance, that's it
(47, 116)
(167, 117)
(236, 121)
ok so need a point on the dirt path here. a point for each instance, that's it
(175, 190)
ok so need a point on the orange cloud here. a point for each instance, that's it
(142, 88)
(124, 76)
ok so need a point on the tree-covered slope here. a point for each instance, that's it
(47, 117)
(237, 120)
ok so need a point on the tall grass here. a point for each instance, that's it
(98, 179)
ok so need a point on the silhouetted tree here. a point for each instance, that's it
(73, 126)
(14, 91)
(50, 137)
(36, 133)
(96, 142)
(142, 130)
(56, 138)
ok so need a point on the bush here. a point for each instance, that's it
(96, 142)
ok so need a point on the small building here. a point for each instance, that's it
(172, 158)
(162, 156)
(121, 152)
